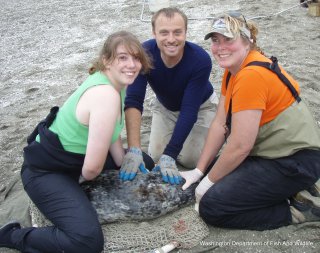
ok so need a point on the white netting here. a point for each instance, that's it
(184, 226)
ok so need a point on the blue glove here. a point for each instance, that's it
(168, 168)
(132, 162)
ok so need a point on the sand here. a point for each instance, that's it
(47, 47)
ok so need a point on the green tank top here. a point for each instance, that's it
(72, 134)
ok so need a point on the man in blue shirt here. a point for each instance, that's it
(184, 106)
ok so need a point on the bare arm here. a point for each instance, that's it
(133, 124)
(245, 127)
(215, 138)
(117, 152)
(99, 108)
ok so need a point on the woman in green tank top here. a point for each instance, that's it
(74, 141)
(91, 120)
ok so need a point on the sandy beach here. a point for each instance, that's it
(47, 47)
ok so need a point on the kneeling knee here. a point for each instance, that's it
(96, 244)
(213, 212)
(188, 161)
(92, 242)
(209, 214)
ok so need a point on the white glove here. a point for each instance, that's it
(202, 188)
(191, 177)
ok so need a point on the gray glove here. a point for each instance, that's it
(168, 168)
(132, 161)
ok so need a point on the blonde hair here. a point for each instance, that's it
(130, 42)
(237, 24)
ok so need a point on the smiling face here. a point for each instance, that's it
(170, 34)
(229, 53)
(123, 70)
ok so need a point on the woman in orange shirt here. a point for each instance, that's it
(272, 143)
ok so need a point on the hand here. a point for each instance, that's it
(202, 188)
(191, 177)
(168, 168)
(132, 161)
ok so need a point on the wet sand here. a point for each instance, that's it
(47, 47)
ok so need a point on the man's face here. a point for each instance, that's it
(170, 34)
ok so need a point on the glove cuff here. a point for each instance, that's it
(134, 150)
(199, 172)
(166, 158)
(207, 182)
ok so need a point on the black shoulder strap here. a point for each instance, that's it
(274, 67)
(228, 120)
(48, 121)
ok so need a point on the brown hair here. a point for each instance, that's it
(130, 42)
(169, 13)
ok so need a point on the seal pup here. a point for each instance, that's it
(144, 198)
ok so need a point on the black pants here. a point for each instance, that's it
(255, 195)
(60, 198)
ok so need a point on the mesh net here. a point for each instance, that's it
(184, 226)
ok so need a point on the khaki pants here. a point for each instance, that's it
(163, 124)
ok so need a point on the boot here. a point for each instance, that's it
(5, 234)
(304, 3)
(304, 207)
(314, 190)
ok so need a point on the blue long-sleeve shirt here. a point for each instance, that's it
(181, 88)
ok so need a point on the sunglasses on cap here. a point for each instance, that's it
(237, 15)
(219, 25)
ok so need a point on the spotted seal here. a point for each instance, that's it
(144, 198)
